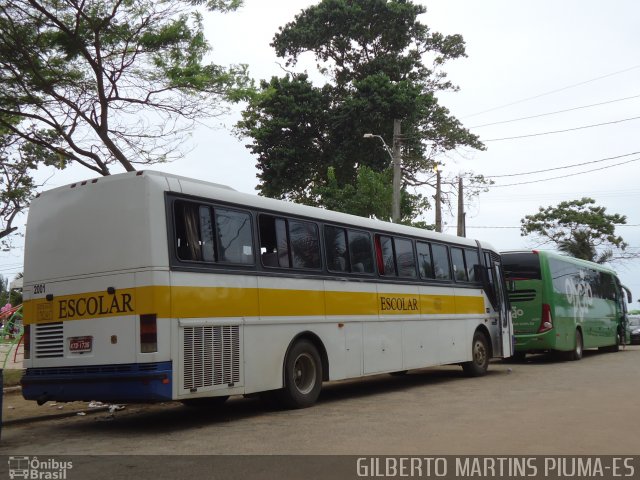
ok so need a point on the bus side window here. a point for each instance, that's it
(457, 259)
(360, 251)
(386, 263)
(268, 243)
(282, 243)
(304, 243)
(335, 241)
(187, 216)
(472, 259)
(441, 266)
(405, 258)
(424, 260)
(233, 232)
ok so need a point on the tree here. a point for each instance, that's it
(370, 195)
(579, 228)
(116, 82)
(374, 54)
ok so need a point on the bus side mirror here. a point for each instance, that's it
(629, 296)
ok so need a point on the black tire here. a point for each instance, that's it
(578, 349)
(205, 402)
(480, 353)
(302, 376)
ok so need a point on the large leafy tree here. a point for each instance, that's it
(382, 64)
(17, 161)
(579, 228)
(117, 82)
(103, 84)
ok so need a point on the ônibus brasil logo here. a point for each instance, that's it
(37, 469)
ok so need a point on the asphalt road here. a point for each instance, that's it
(545, 407)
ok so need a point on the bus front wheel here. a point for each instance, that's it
(480, 354)
(302, 376)
(576, 353)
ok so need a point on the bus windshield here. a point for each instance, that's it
(521, 266)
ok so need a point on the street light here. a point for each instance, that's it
(397, 173)
(384, 144)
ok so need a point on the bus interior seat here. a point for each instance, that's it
(270, 259)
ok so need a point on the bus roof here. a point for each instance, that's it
(561, 257)
(199, 188)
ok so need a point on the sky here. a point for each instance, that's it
(528, 58)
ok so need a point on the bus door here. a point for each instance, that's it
(506, 330)
(623, 295)
(502, 334)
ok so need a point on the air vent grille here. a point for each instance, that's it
(49, 340)
(211, 356)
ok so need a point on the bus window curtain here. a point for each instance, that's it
(191, 222)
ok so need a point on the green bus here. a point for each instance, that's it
(561, 303)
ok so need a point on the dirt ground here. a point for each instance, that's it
(544, 406)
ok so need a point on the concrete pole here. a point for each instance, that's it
(438, 202)
(461, 223)
(397, 172)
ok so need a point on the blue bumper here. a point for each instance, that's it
(128, 383)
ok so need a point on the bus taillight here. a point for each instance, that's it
(546, 322)
(148, 333)
(26, 339)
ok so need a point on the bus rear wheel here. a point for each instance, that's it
(302, 376)
(480, 354)
(576, 353)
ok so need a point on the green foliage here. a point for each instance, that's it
(374, 53)
(17, 161)
(578, 227)
(369, 196)
(116, 82)
(8, 296)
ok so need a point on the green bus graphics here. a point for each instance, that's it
(560, 303)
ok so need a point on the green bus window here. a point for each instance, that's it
(424, 260)
(459, 270)
(441, 266)
(405, 259)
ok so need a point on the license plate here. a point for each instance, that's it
(80, 344)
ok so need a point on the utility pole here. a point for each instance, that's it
(397, 172)
(461, 220)
(438, 202)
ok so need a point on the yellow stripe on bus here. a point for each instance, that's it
(209, 302)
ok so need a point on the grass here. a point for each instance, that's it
(11, 378)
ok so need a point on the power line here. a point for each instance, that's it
(564, 176)
(511, 227)
(561, 131)
(556, 112)
(563, 167)
(553, 91)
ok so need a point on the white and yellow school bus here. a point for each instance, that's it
(147, 286)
